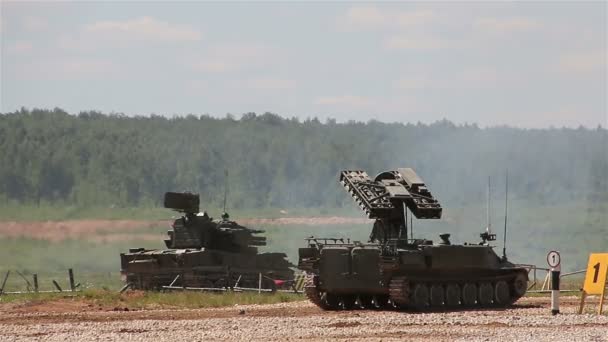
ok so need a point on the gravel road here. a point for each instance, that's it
(529, 320)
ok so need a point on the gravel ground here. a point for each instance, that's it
(529, 320)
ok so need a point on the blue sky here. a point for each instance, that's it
(535, 64)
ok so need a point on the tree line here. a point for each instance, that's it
(91, 158)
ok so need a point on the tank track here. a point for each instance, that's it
(313, 293)
(416, 294)
(481, 293)
(398, 291)
(207, 280)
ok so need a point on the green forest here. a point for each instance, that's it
(90, 158)
(64, 165)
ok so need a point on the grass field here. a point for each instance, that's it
(156, 300)
(93, 252)
(55, 212)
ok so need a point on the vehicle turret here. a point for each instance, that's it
(198, 230)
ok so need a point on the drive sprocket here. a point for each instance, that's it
(312, 292)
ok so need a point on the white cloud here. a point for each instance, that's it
(363, 17)
(506, 25)
(196, 87)
(20, 47)
(583, 62)
(415, 43)
(144, 28)
(412, 82)
(234, 57)
(67, 69)
(241, 50)
(372, 17)
(408, 18)
(477, 77)
(35, 24)
(270, 84)
(213, 66)
(344, 101)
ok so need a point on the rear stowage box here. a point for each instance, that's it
(366, 267)
(412, 260)
(457, 256)
(335, 266)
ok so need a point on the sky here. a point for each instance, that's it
(533, 65)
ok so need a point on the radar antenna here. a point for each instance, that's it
(387, 198)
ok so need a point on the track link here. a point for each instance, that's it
(399, 291)
(313, 293)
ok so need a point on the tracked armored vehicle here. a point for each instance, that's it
(204, 253)
(394, 271)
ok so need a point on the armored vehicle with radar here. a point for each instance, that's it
(392, 270)
(204, 253)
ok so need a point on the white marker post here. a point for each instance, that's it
(554, 261)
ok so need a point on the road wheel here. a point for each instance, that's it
(452, 295)
(314, 294)
(348, 302)
(486, 294)
(501, 293)
(519, 286)
(437, 295)
(366, 302)
(331, 301)
(469, 294)
(420, 296)
(380, 301)
(220, 283)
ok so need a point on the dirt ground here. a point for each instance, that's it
(119, 230)
(529, 320)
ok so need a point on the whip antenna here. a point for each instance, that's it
(488, 215)
(504, 243)
(225, 188)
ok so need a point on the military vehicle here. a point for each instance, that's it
(205, 253)
(392, 270)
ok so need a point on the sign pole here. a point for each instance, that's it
(583, 297)
(555, 290)
(554, 261)
(599, 311)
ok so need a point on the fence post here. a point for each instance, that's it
(4, 282)
(71, 276)
(35, 282)
(57, 286)
(260, 284)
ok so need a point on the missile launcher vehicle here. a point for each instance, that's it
(394, 271)
(204, 253)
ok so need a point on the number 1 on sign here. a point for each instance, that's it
(595, 278)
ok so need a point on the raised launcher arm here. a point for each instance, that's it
(186, 202)
(384, 198)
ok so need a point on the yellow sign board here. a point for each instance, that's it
(595, 278)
